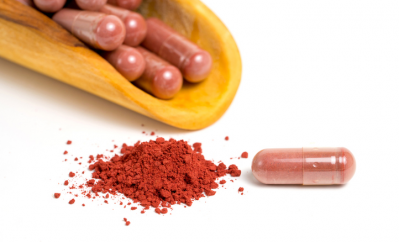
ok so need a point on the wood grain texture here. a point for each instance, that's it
(33, 40)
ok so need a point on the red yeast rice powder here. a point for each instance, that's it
(158, 173)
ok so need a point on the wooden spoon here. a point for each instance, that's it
(31, 39)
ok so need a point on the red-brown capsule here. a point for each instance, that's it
(49, 6)
(127, 4)
(307, 166)
(194, 62)
(91, 5)
(159, 78)
(127, 60)
(136, 27)
(101, 31)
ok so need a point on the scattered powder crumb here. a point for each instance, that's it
(72, 201)
(69, 142)
(83, 205)
(57, 195)
(227, 138)
(241, 189)
(152, 133)
(133, 208)
(76, 159)
(223, 182)
(71, 174)
(66, 183)
(65, 152)
(244, 155)
(197, 147)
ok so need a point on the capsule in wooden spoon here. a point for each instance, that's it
(194, 62)
(127, 61)
(159, 78)
(49, 6)
(92, 5)
(307, 166)
(101, 31)
(135, 24)
(127, 4)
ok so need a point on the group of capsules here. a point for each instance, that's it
(146, 51)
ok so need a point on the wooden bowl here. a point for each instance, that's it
(31, 39)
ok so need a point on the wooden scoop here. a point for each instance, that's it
(31, 39)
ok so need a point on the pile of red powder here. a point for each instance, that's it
(158, 174)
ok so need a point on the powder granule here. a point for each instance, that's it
(244, 155)
(159, 171)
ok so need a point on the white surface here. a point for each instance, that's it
(316, 73)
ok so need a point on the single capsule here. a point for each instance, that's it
(101, 31)
(127, 61)
(26, 2)
(136, 27)
(127, 4)
(306, 166)
(194, 62)
(49, 6)
(159, 78)
(91, 5)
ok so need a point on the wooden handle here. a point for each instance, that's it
(33, 40)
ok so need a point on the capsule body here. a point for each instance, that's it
(91, 5)
(101, 31)
(49, 6)
(127, 4)
(194, 62)
(127, 61)
(135, 25)
(159, 78)
(307, 166)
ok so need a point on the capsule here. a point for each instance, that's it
(127, 4)
(194, 62)
(26, 2)
(49, 6)
(307, 166)
(91, 5)
(159, 78)
(127, 61)
(135, 25)
(101, 31)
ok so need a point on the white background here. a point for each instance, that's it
(315, 73)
